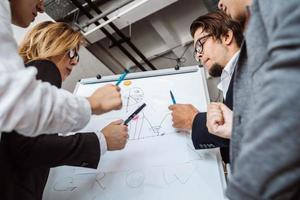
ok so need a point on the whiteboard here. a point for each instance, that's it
(158, 161)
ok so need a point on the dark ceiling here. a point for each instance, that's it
(65, 10)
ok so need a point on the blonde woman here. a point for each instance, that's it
(54, 42)
(52, 47)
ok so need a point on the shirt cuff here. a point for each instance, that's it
(102, 142)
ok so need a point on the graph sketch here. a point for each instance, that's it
(133, 97)
(143, 126)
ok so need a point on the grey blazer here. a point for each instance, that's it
(265, 145)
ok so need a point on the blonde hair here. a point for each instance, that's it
(49, 39)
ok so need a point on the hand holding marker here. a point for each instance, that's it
(134, 114)
(122, 77)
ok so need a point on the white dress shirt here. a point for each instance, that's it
(226, 75)
(29, 106)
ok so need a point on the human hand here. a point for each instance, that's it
(116, 135)
(105, 99)
(219, 120)
(183, 115)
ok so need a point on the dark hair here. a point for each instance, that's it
(218, 24)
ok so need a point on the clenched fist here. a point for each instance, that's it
(105, 99)
(219, 120)
(116, 135)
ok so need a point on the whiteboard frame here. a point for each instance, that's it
(148, 74)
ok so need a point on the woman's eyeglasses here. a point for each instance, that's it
(73, 55)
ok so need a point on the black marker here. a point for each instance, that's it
(134, 114)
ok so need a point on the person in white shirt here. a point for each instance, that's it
(217, 41)
(31, 107)
(52, 48)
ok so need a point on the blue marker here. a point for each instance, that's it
(122, 77)
(172, 97)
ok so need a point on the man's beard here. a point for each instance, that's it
(215, 70)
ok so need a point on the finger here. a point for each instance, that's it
(214, 122)
(118, 122)
(174, 107)
(119, 106)
(174, 125)
(122, 146)
(119, 95)
(217, 120)
(173, 116)
(212, 127)
(221, 131)
(212, 107)
(224, 108)
(214, 103)
(109, 85)
(171, 107)
(117, 88)
(124, 135)
(215, 112)
(125, 128)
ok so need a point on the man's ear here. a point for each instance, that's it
(228, 37)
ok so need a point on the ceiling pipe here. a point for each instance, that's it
(110, 36)
(121, 34)
(104, 14)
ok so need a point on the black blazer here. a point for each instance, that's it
(202, 139)
(25, 162)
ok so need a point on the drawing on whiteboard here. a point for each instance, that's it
(181, 174)
(134, 97)
(135, 179)
(141, 127)
(98, 179)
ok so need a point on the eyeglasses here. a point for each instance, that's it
(199, 46)
(73, 55)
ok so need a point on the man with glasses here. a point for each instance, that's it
(217, 40)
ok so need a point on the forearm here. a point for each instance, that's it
(81, 149)
(32, 107)
(27, 105)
